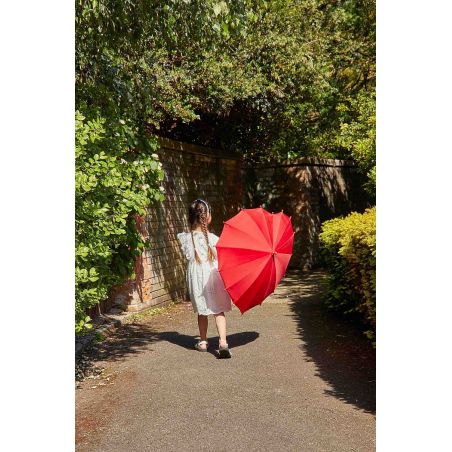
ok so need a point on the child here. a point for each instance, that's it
(205, 286)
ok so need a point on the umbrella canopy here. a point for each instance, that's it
(254, 250)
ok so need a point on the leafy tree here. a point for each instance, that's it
(358, 134)
(261, 78)
(281, 84)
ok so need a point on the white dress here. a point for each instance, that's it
(205, 286)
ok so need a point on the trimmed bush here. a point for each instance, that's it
(349, 250)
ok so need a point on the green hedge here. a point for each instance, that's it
(349, 250)
(117, 176)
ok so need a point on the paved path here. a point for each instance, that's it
(299, 380)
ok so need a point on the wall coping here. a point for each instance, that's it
(305, 161)
(188, 148)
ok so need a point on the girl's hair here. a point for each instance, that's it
(197, 214)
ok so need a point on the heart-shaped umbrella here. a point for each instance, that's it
(254, 250)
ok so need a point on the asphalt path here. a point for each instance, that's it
(300, 379)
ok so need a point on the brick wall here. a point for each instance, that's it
(310, 190)
(190, 172)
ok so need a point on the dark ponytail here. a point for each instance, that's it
(197, 215)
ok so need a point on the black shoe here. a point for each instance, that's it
(224, 353)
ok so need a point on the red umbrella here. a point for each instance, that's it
(254, 250)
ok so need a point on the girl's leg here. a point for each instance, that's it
(203, 323)
(220, 320)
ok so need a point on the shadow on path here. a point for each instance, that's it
(188, 342)
(134, 338)
(126, 340)
(344, 357)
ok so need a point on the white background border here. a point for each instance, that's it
(414, 227)
(37, 225)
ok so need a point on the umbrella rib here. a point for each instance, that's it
(252, 287)
(289, 223)
(243, 232)
(276, 223)
(270, 283)
(223, 267)
(246, 275)
(242, 248)
(263, 220)
(280, 245)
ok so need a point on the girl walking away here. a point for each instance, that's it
(205, 286)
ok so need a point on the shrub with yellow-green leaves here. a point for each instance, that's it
(349, 250)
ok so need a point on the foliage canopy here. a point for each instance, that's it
(264, 78)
